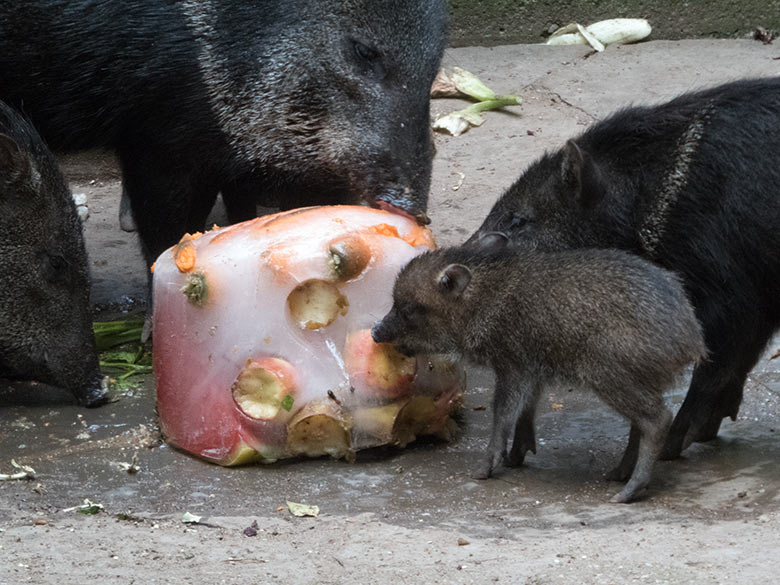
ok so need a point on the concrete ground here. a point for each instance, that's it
(414, 515)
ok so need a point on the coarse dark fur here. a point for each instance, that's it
(45, 317)
(603, 320)
(693, 185)
(289, 103)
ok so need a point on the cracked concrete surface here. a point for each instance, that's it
(412, 515)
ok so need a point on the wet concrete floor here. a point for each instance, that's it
(78, 453)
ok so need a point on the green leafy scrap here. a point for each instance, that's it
(122, 354)
(110, 334)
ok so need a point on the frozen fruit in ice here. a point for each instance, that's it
(378, 369)
(348, 257)
(320, 428)
(316, 303)
(265, 388)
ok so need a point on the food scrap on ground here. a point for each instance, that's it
(302, 510)
(188, 518)
(461, 83)
(122, 354)
(131, 467)
(88, 507)
(25, 472)
(600, 34)
(764, 35)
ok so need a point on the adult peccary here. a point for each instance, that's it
(296, 102)
(603, 320)
(45, 318)
(694, 186)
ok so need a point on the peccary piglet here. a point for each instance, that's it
(602, 320)
(45, 317)
(694, 186)
(290, 103)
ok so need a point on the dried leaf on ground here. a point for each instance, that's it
(188, 518)
(301, 510)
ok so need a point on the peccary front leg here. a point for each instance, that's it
(165, 200)
(126, 220)
(241, 200)
(510, 397)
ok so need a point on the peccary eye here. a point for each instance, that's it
(364, 52)
(368, 58)
(519, 223)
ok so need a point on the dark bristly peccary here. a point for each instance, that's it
(292, 103)
(45, 315)
(694, 186)
(603, 320)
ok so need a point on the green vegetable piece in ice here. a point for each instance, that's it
(196, 289)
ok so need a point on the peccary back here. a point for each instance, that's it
(694, 185)
(45, 317)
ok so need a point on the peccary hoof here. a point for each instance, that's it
(706, 430)
(628, 495)
(96, 394)
(482, 473)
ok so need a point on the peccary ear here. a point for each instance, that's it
(14, 166)
(580, 172)
(492, 242)
(454, 279)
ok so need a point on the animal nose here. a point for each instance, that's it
(379, 333)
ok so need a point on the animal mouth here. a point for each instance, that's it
(400, 203)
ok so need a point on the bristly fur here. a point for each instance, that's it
(287, 104)
(604, 320)
(701, 173)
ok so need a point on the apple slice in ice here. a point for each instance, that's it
(378, 369)
(316, 303)
(265, 388)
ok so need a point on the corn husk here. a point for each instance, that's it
(602, 33)
(458, 122)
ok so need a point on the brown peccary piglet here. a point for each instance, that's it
(602, 320)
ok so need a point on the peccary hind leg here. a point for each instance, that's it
(643, 404)
(715, 392)
(651, 431)
(525, 438)
(627, 463)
